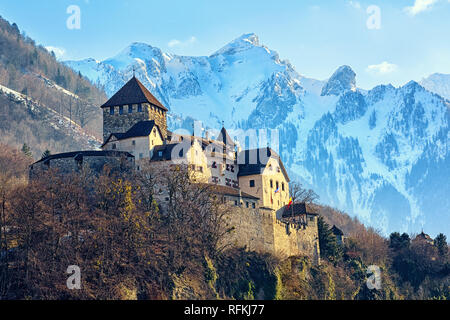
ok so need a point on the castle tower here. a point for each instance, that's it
(131, 104)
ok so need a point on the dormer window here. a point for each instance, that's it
(159, 153)
(121, 110)
(111, 110)
(114, 146)
(130, 108)
(139, 108)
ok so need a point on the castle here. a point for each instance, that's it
(254, 182)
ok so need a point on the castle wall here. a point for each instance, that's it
(259, 230)
(94, 163)
(122, 122)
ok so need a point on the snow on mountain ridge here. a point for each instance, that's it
(366, 152)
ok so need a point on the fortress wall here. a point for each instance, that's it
(259, 230)
(252, 229)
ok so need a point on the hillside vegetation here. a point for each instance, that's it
(33, 72)
(127, 248)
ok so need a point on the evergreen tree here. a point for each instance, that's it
(26, 150)
(329, 247)
(46, 153)
(397, 241)
(441, 244)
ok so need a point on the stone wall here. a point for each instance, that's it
(259, 230)
(123, 122)
(70, 164)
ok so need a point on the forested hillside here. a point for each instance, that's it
(128, 249)
(34, 73)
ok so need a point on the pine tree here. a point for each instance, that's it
(46, 153)
(26, 150)
(441, 244)
(329, 247)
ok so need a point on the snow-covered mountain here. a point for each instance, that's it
(438, 83)
(381, 154)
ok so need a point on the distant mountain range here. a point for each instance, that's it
(382, 154)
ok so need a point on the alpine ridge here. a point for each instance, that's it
(382, 154)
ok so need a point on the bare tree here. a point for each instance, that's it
(300, 194)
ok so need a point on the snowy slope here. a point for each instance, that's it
(381, 154)
(438, 83)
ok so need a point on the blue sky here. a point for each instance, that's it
(410, 40)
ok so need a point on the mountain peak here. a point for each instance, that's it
(343, 79)
(242, 43)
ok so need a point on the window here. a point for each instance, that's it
(154, 132)
(276, 184)
(235, 202)
(311, 219)
(141, 155)
(214, 165)
(271, 184)
(139, 108)
(246, 204)
(228, 167)
(159, 153)
(200, 169)
(181, 153)
(252, 183)
(114, 146)
(111, 110)
(130, 108)
(133, 142)
(121, 110)
(232, 168)
(253, 205)
(282, 186)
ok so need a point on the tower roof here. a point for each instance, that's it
(225, 138)
(133, 92)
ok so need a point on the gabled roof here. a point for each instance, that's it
(164, 152)
(298, 209)
(229, 191)
(140, 129)
(225, 138)
(133, 92)
(337, 231)
(250, 161)
(423, 236)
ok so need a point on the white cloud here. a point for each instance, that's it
(354, 4)
(59, 52)
(178, 43)
(382, 68)
(419, 6)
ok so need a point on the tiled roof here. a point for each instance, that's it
(337, 231)
(164, 152)
(225, 190)
(297, 209)
(140, 129)
(225, 138)
(250, 161)
(131, 93)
